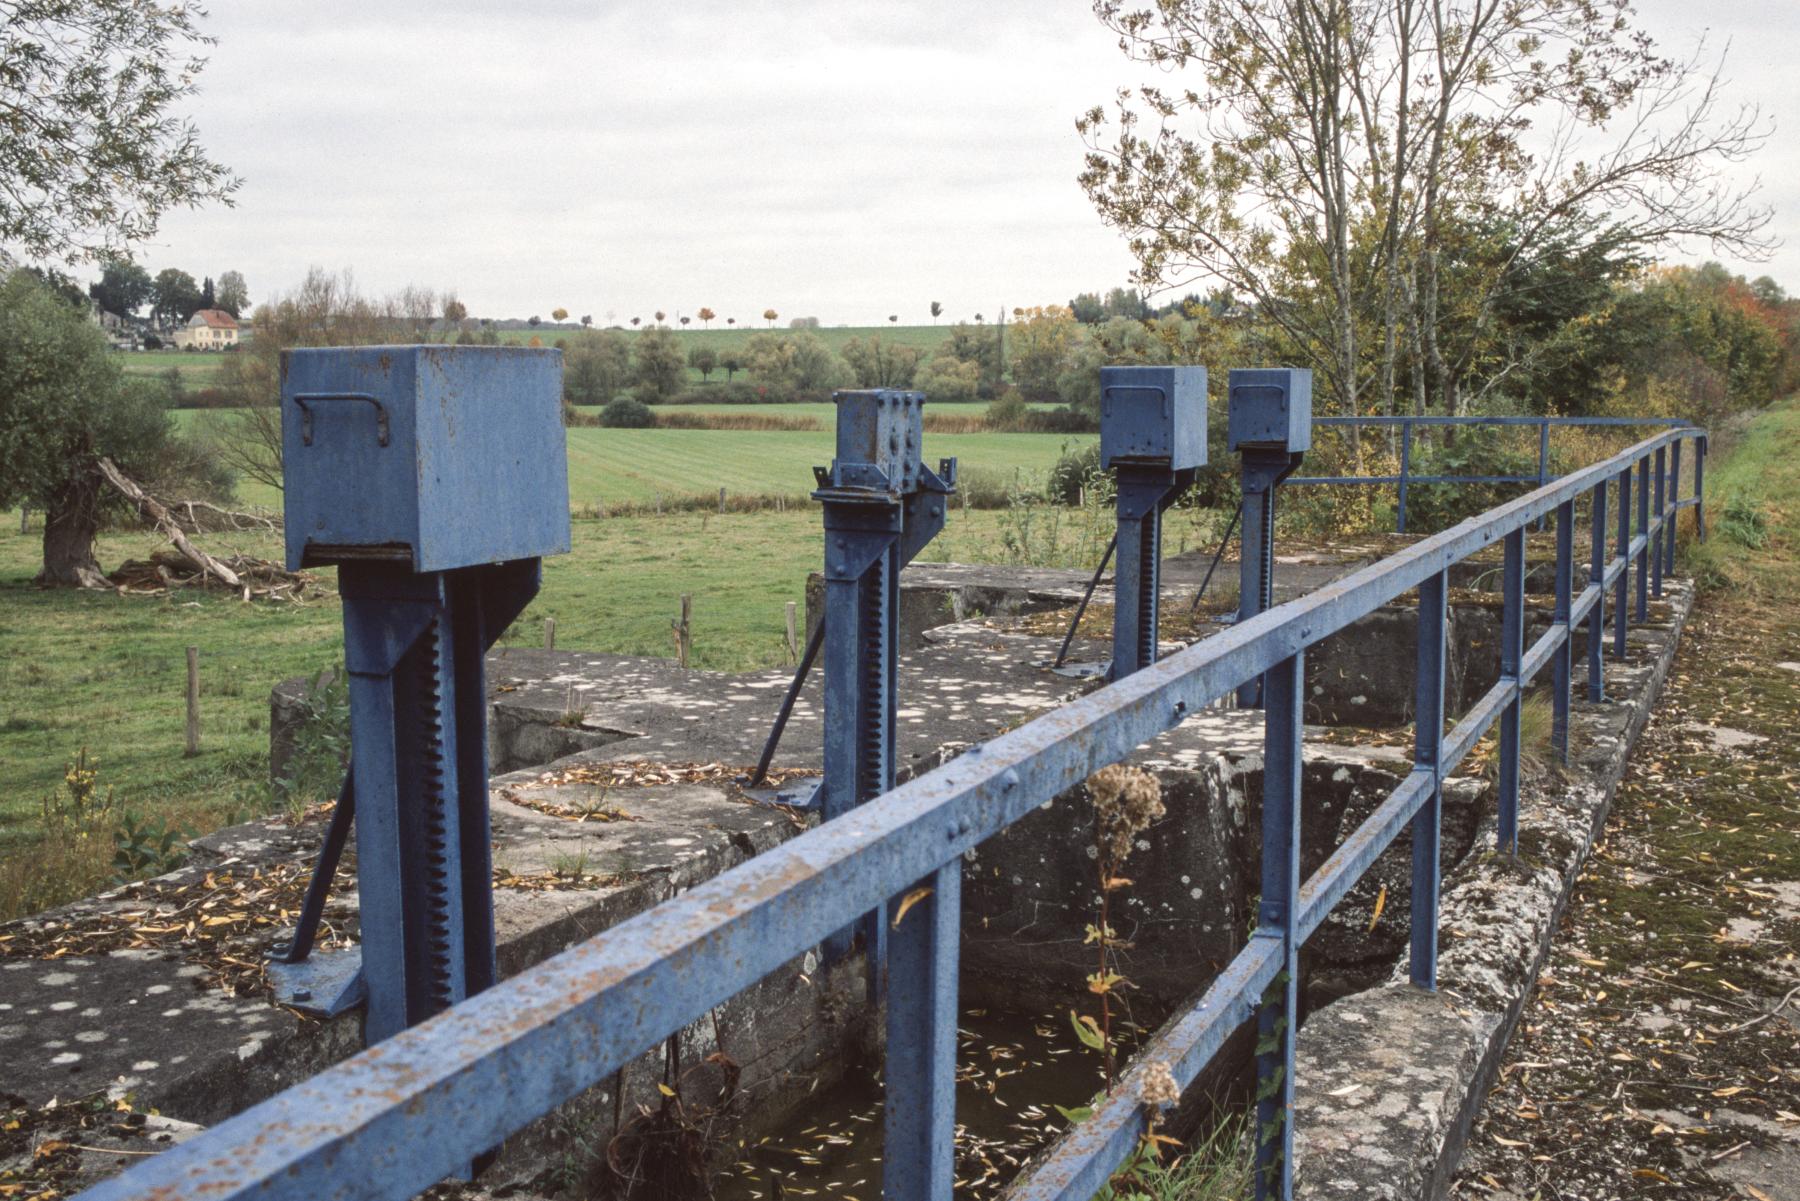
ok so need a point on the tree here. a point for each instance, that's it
(534, 321)
(660, 315)
(658, 365)
(732, 363)
(684, 322)
(893, 318)
(1041, 346)
(881, 365)
(636, 321)
(123, 287)
(596, 367)
(455, 312)
(770, 315)
(937, 310)
(704, 360)
(1327, 158)
(587, 321)
(559, 314)
(93, 155)
(731, 321)
(951, 380)
(795, 364)
(62, 286)
(64, 404)
(176, 296)
(706, 317)
(206, 294)
(234, 294)
(1088, 308)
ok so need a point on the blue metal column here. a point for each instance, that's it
(1643, 529)
(1512, 654)
(1597, 578)
(1269, 425)
(1700, 446)
(919, 1152)
(431, 569)
(1622, 552)
(1654, 539)
(1563, 660)
(1152, 436)
(1137, 599)
(1674, 522)
(1428, 754)
(1277, 918)
(1406, 432)
(881, 506)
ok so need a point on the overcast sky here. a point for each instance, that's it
(843, 160)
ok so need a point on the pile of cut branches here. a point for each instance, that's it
(189, 566)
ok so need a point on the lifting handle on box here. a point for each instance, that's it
(303, 399)
(1156, 388)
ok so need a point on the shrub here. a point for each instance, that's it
(627, 414)
(1072, 473)
(1742, 522)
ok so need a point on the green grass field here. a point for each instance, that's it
(198, 369)
(636, 466)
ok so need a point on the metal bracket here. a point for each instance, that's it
(325, 985)
(305, 399)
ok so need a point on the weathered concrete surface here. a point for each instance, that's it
(1390, 1079)
(935, 594)
(1030, 892)
(151, 1024)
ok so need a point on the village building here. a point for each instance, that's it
(207, 329)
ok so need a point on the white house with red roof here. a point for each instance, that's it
(207, 329)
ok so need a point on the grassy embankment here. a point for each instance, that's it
(1656, 1057)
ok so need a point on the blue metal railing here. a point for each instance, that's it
(411, 1110)
(1406, 479)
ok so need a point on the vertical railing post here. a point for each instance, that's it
(1406, 429)
(919, 1156)
(1543, 457)
(1276, 918)
(1597, 577)
(1428, 754)
(1653, 541)
(1700, 487)
(1674, 521)
(1512, 654)
(1643, 528)
(1621, 600)
(1563, 660)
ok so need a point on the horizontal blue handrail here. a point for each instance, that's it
(405, 1113)
(1408, 479)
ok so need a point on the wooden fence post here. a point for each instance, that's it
(193, 701)
(659, 504)
(684, 630)
(721, 500)
(793, 642)
(549, 633)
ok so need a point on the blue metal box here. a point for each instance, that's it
(1270, 407)
(880, 435)
(1153, 414)
(437, 456)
